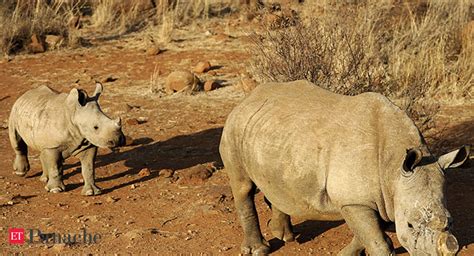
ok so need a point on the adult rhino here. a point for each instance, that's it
(324, 156)
(61, 125)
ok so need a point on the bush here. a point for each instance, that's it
(373, 46)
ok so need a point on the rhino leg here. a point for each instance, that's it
(87, 158)
(280, 225)
(364, 223)
(354, 248)
(44, 176)
(52, 163)
(21, 165)
(243, 190)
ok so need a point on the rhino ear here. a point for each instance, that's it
(412, 159)
(454, 158)
(98, 90)
(77, 96)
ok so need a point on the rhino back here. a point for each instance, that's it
(40, 118)
(312, 151)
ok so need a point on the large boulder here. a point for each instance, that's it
(182, 80)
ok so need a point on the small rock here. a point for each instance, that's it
(153, 50)
(202, 67)
(133, 186)
(36, 45)
(167, 173)
(111, 199)
(62, 205)
(142, 119)
(132, 121)
(182, 80)
(9, 57)
(197, 173)
(53, 41)
(144, 172)
(226, 248)
(4, 124)
(210, 85)
(110, 79)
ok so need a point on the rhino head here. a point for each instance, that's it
(421, 218)
(93, 124)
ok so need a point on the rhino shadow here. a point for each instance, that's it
(176, 153)
(460, 189)
(305, 231)
(460, 197)
(310, 229)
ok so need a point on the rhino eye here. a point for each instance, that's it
(96, 127)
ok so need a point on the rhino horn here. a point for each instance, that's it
(447, 244)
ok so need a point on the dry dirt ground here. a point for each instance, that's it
(176, 208)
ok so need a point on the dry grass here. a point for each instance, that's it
(120, 17)
(405, 51)
(19, 20)
(156, 83)
(171, 14)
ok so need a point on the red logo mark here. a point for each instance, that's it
(16, 235)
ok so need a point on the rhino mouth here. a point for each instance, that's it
(117, 143)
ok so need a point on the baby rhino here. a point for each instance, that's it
(61, 125)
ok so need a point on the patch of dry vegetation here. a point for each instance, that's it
(161, 17)
(19, 20)
(410, 51)
(120, 17)
(171, 14)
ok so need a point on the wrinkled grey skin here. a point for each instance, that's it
(60, 125)
(324, 156)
